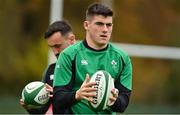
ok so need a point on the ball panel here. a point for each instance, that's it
(35, 95)
(97, 77)
(109, 94)
(33, 86)
(29, 97)
(100, 80)
(104, 85)
(102, 104)
(42, 97)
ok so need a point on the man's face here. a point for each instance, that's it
(99, 29)
(57, 43)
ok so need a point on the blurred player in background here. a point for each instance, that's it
(59, 35)
(71, 81)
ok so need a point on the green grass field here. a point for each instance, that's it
(152, 109)
(10, 105)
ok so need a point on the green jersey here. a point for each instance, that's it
(79, 59)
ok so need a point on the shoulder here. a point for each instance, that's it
(48, 76)
(119, 51)
(51, 66)
(72, 49)
(49, 69)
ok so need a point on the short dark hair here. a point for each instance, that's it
(98, 9)
(58, 26)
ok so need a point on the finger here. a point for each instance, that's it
(50, 95)
(112, 99)
(48, 86)
(114, 96)
(88, 98)
(115, 92)
(87, 77)
(89, 89)
(86, 94)
(86, 80)
(49, 90)
(21, 102)
(90, 84)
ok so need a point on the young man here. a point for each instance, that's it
(78, 62)
(59, 35)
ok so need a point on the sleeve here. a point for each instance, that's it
(63, 95)
(43, 109)
(124, 85)
(48, 73)
(62, 72)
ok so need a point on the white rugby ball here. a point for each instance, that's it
(105, 83)
(35, 95)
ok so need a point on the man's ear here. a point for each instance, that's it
(71, 39)
(86, 24)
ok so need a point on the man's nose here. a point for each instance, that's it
(105, 28)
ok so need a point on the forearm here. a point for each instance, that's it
(121, 103)
(62, 99)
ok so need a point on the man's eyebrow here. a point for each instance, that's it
(55, 45)
(101, 23)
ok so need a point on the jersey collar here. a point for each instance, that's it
(87, 46)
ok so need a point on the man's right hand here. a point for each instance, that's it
(21, 101)
(49, 89)
(86, 89)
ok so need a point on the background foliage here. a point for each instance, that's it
(24, 52)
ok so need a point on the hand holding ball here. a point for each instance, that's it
(35, 95)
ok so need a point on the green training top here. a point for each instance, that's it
(87, 60)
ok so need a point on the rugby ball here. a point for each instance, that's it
(35, 95)
(105, 83)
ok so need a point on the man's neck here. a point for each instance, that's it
(95, 46)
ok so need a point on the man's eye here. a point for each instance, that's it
(102, 24)
(99, 23)
(57, 46)
(109, 24)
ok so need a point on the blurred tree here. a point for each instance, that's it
(147, 22)
(24, 51)
(74, 12)
(23, 54)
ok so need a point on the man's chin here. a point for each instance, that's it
(103, 42)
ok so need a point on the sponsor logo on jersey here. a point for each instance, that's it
(84, 62)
